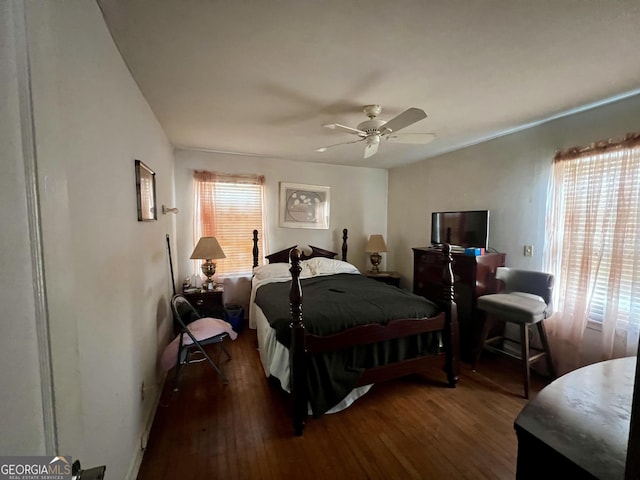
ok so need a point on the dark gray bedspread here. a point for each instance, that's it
(333, 303)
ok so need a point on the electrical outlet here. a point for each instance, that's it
(528, 250)
(142, 392)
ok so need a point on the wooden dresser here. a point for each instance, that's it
(474, 276)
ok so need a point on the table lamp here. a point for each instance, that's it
(207, 249)
(374, 247)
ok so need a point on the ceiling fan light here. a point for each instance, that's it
(371, 149)
(373, 140)
(321, 149)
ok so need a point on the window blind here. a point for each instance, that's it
(230, 207)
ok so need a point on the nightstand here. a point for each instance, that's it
(208, 304)
(390, 278)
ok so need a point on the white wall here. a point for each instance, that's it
(21, 421)
(508, 175)
(358, 203)
(107, 274)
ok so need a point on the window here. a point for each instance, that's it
(594, 242)
(229, 207)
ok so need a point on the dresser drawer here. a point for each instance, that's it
(208, 304)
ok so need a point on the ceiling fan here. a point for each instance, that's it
(374, 130)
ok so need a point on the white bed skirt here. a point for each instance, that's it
(275, 357)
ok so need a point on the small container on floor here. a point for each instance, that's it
(234, 315)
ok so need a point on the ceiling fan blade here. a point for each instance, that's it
(413, 138)
(406, 118)
(344, 128)
(371, 149)
(324, 149)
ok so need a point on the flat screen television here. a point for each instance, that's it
(461, 229)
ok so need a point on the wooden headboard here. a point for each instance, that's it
(283, 255)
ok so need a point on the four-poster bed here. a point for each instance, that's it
(354, 332)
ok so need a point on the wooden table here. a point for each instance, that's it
(578, 426)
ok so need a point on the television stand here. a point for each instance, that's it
(474, 276)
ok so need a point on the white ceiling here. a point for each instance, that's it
(262, 77)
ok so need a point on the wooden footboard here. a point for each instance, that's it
(302, 343)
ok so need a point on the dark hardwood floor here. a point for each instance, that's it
(415, 427)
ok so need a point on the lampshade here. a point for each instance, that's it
(376, 244)
(207, 248)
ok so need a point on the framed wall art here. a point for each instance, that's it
(304, 206)
(146, 192)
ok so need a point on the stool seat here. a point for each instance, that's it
(525, 301)
(519, 307)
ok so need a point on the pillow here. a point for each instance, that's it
(201, 329)
(207, 327)
(310, 268)
(280, 271)
(328, 266)
(272, 270)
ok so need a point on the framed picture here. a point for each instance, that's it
(304, 206)
(146, 192)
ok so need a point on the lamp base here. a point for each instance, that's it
(209, 270)
(208, 285)
(375, 261)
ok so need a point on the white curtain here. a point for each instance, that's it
(593, 249)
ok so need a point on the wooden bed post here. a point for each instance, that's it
(255, 248)
(297, 351)
(344, 245)
(452, 354)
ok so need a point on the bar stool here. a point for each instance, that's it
(525, 301)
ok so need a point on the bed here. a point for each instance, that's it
(355, 331)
